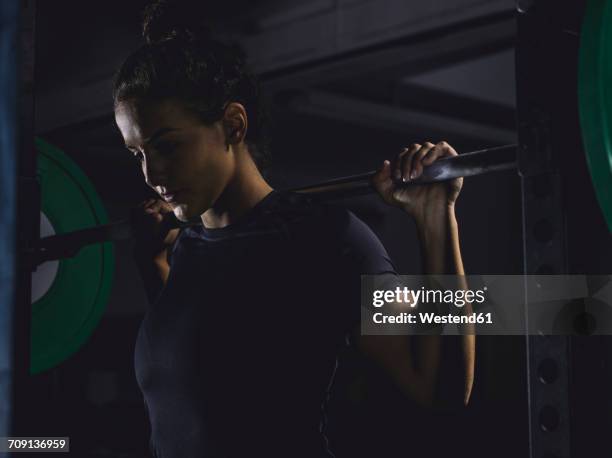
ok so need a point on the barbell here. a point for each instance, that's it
(464, 165)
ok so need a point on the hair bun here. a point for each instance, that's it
(167, 19)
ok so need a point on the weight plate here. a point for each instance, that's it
(595, 99)
(73, 302)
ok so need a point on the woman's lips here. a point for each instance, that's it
(172, 196)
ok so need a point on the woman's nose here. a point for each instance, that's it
(154, 172)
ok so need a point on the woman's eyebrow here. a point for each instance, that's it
(158, 133)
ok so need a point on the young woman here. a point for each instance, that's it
(237, 350)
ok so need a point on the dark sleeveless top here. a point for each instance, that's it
(237, 354)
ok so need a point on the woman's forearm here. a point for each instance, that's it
(439, 239)
(447, 362)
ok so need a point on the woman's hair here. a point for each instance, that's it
(181, 60)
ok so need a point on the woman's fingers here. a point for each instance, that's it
(158, 208)
(433, 154)
(397, 163)
(404, 162)
(416, 168)
(442, 149)
(146, 204)
(152, 208)
(152, 233)
(382, 181)
(409, 163)
(427, 155)
(161, 206)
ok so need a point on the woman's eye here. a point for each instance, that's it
(166, 147)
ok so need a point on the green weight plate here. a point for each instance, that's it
(595, 99)
(65, 315)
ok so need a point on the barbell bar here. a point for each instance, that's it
(464, 165)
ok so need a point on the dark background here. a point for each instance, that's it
(350, 83)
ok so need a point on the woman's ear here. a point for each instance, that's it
(234, 123)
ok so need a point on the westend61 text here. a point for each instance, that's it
(432, 318)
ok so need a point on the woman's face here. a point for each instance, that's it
(186, 162)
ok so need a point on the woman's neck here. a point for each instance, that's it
(246, 188)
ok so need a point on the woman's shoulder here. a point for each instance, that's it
(310, 215)
(335, 226)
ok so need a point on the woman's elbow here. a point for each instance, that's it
(452, 398)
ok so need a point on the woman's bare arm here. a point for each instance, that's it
(447, 360)
(433, 370)
(439, 370)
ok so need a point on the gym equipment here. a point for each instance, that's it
(70, 296)
(9, 152)
(595, 100)
(464, 165)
